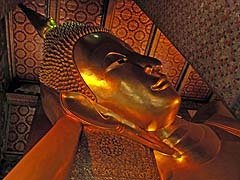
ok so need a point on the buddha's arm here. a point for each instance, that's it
(52, 156)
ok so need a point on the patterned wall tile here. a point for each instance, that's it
(21, 109)
(87, 12)
(195, 87)
(20, 119)
(27, 44)
(103, 155)
(131, 25)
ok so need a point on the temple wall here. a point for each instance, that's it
(8, 5)
(207, 34)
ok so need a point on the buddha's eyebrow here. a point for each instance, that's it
(115, 54)
(118, 59)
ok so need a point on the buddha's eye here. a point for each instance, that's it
(113, 60)
(122, 60)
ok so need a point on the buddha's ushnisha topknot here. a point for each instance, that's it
(59, 71)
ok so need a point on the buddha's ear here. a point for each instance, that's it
(87, 111)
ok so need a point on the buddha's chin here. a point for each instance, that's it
(164, 117)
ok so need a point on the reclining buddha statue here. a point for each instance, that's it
(90, 77)
(100, 80)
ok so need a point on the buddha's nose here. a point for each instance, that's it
(156, 71)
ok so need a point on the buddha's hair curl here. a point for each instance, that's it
(59, 71)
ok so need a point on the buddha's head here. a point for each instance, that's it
(93, 62)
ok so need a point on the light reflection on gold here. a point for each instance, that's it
(93, 80)
(176, 101)
(152, 126)
(49, 25)
(167, 165)
(96, 36)
(180, 159)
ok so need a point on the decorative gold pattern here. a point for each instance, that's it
(28, 45)
(87, 12)
(20, 119)
(131, 25)
(195, 87)
(103, 155)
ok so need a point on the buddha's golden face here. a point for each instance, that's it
(127, 83)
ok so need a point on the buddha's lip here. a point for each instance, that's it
(161, 85)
